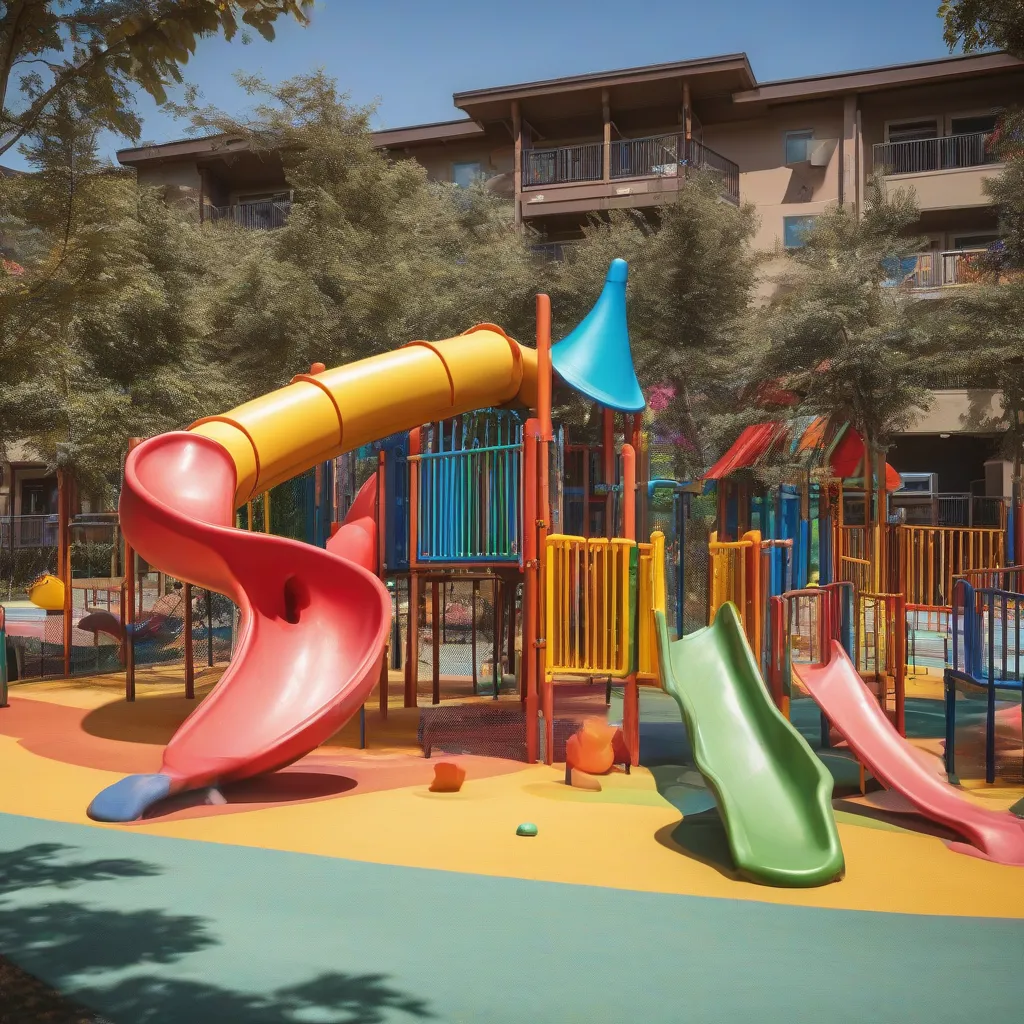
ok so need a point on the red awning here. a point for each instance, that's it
(848, 461)
(752, 443)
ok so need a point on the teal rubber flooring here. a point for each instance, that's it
(149, 930)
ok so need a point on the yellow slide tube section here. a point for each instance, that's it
(316, 418)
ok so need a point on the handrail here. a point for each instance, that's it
(946, 152)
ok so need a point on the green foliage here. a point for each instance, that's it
(984, 24)
(1007, 191)
(110, 309)
(982, 332)
(105, 51)
(373, 254)
(835, 334)
(691, 279)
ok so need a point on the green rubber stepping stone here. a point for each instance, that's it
(526, 829)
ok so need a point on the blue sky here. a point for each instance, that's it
(411, 55)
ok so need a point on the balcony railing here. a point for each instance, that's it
(657, 156)
(563, 165)
(550, 250)
(969, 510)
(255, 216)
(937, 269)
(28, 532)
(949, 153)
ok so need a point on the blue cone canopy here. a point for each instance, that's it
(596, 359)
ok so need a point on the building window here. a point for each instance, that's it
(976, 124)
(465, 174)
(975, 241)
(913, 131)
(798, 146)
(794, 230)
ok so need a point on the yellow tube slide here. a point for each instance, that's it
(316, 418)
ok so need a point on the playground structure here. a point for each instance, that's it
(437, 499)
(475, 510)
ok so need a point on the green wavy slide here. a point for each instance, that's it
(773, 794)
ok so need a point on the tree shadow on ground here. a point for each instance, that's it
(71, 943)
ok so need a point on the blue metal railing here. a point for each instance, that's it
(469, 492)
(986, 656)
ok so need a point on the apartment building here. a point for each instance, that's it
(566, 148)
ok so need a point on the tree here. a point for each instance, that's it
(108, 50)
(110, 306)
(984, 24)
(1006, 190)
(838, 331)
(692, 275)
(840, 334)
(373, 254)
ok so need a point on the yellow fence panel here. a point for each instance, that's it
(736, 577)
(650, 596)
(588, 606)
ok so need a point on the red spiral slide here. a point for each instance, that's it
(313, 623)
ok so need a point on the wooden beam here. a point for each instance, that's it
(687, 112)
(517, 134)
(606, 151)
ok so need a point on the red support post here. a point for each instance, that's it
(190, 669)
(412, 657)
(128, 606)
(899, 632)
(381, 514)
(435, 637)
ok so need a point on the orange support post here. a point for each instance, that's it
(899, 635)
(608, 466)
(413, 646)
(544, 509)
(528, 663)
(628, 492)
(631, 693)
(381, 514)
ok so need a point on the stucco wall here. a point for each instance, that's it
(778, 190)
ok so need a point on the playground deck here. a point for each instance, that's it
(341, 889)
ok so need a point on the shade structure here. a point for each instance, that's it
(595, 358)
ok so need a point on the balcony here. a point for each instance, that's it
(933, 270)
(954, 152)
(945, 173)
(28, 532)
(655, 164)
(262, 216)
